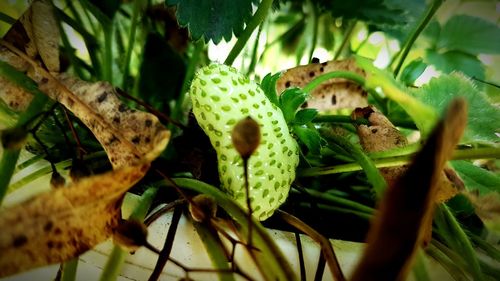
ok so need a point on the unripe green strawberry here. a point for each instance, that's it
(221, 97)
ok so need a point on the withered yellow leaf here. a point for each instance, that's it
(333, 94)
(128, 136)
(382, 135)
(63, 223)
(45, 33)
(35, 33)
(405, 209)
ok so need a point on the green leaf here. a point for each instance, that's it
(213, 19)
(476, 178)
(412, 71)
(451, 61)
(290, 100)
(305, 116)
(424, 116)
(373, 11)
(482, 122)
(309, 137)
(155, 87)
(268, 85)
(108, 7)
(471, 35)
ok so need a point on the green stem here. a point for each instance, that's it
(108, 53)
(315, 26)
(341, 210)
(7, 19)
(489, 249)
(419, 269)
(347, 37)
(270, 261)
(462, 242)
(259, 16)
(130, 46)
(253, 61)
(371, 171)
(401, 157)
(190, 71)
(117, 257)
(429, 13)
(339, 119)
(332, 199)
(10, 156)
(456, 271)
(334, 74)
(69, 270)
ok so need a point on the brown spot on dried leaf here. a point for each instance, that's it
(89, 208)
(333, 94)
(19, 241)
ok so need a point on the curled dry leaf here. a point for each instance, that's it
(36, 34)
(128, 136)
(333, 94)
(65, 222)
(382, 135)
(399, 227)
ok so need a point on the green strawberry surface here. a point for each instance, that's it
(221, 97)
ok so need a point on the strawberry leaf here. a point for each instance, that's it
(268, 85)
(451, 61)
(213, 19)
(309, 137)
(290, 101)
(304, 116)
(482, 123)
(413, 71)
(469, 34)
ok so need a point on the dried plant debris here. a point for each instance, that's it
(36, 34)
(382, 135)
(407, 207)
(65, 222)
(128, 136)
(334, 94)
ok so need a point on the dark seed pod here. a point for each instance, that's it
(246, 137)
(205, 209)
(13, 138)
(57, 180)
(79, 170)
(131, 234)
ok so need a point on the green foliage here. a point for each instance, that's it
(309, 137)
(305, 116)
(412, 71)
(373, 11)
(482, 117)
(476, 178)
(456, 44)
(156, 87)
(108, 7)
(268, 85)
(212, 19)
(469, 34)
(451, 61)
(290, 100)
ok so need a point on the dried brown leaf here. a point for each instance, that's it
(399, 227)
(128, 136)
(65, 222)
(333, 94)
(36, 33)
(382, 135)
(46, 33)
